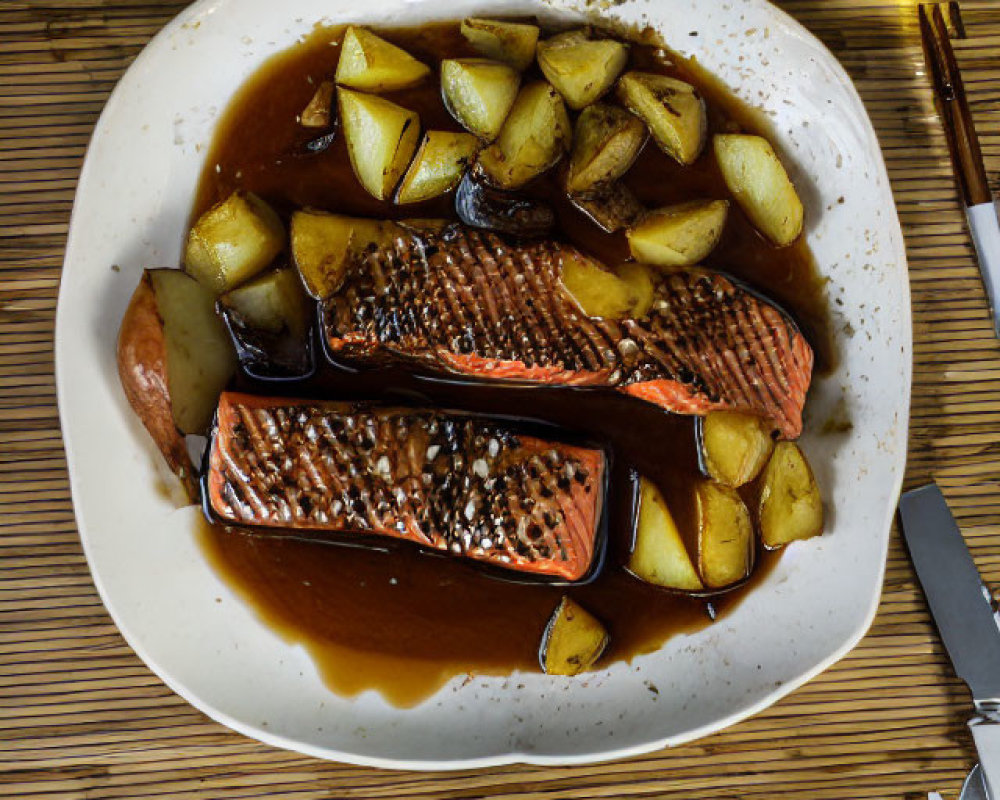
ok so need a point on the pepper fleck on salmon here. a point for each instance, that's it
(459, 484)
(467, 302)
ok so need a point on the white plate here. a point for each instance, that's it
(133, 198)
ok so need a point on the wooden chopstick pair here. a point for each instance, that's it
(963, 145)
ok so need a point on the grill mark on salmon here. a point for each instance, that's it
(453, 483)
(495, 311)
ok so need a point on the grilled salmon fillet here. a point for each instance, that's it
(468, 303)
(459, 484)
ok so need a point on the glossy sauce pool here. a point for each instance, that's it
(397, 619)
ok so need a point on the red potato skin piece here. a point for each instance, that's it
(142, 370)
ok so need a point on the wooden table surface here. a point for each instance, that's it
(81, 716)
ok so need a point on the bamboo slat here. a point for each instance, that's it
(81, 716)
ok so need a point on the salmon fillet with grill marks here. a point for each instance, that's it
(458, 484)
(468, 303)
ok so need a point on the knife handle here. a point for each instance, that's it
(987, 738)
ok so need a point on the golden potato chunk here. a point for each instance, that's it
(790, 504)
(620, 293)
(573, 640)
(233, 241)
(268, 319)
(323, 244)
(580, 66)
(659, 555)
(641, 286)
(611, 207)
(317, 113)
(678, 235)
(598, 291)
(200, 358)
(606, 141)
(174, 358)
(438, 165)
(536, 134)
(381, 139)
(734, 446)
(142, 370)
(479, 93)
(761, 185)
(673, 110)
(371, 64)
(272, 302)
(510, 42)
(725, 535)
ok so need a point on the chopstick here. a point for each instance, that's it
(963, 146)
(949, 92)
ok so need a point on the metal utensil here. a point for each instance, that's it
(965, 618)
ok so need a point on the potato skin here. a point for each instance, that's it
(142, 369)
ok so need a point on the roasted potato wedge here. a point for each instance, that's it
(606, 141)
(317, 113)
(573, 640)
(725, 536)
(790, 504)
(597, 290)
(200, 356)
(381, 139)
(438, 165)
(371, 64)
(510, 42)
(659, 555)
(611, 208)
(174, 358)
(535, 135)
(269, 320)
(233, 241)
(602, 292)
(142, 370)
(479, 93)
(678, 235)
(581, 66)
(733, 446)
(273, 302)
(641, 286)
(761, 185)
(322, 245)
(673, 110)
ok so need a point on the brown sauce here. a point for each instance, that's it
(403, 621)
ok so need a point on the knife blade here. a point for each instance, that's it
(962, 611)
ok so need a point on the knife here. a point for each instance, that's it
(963, 613)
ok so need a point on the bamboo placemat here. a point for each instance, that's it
(81, 716)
